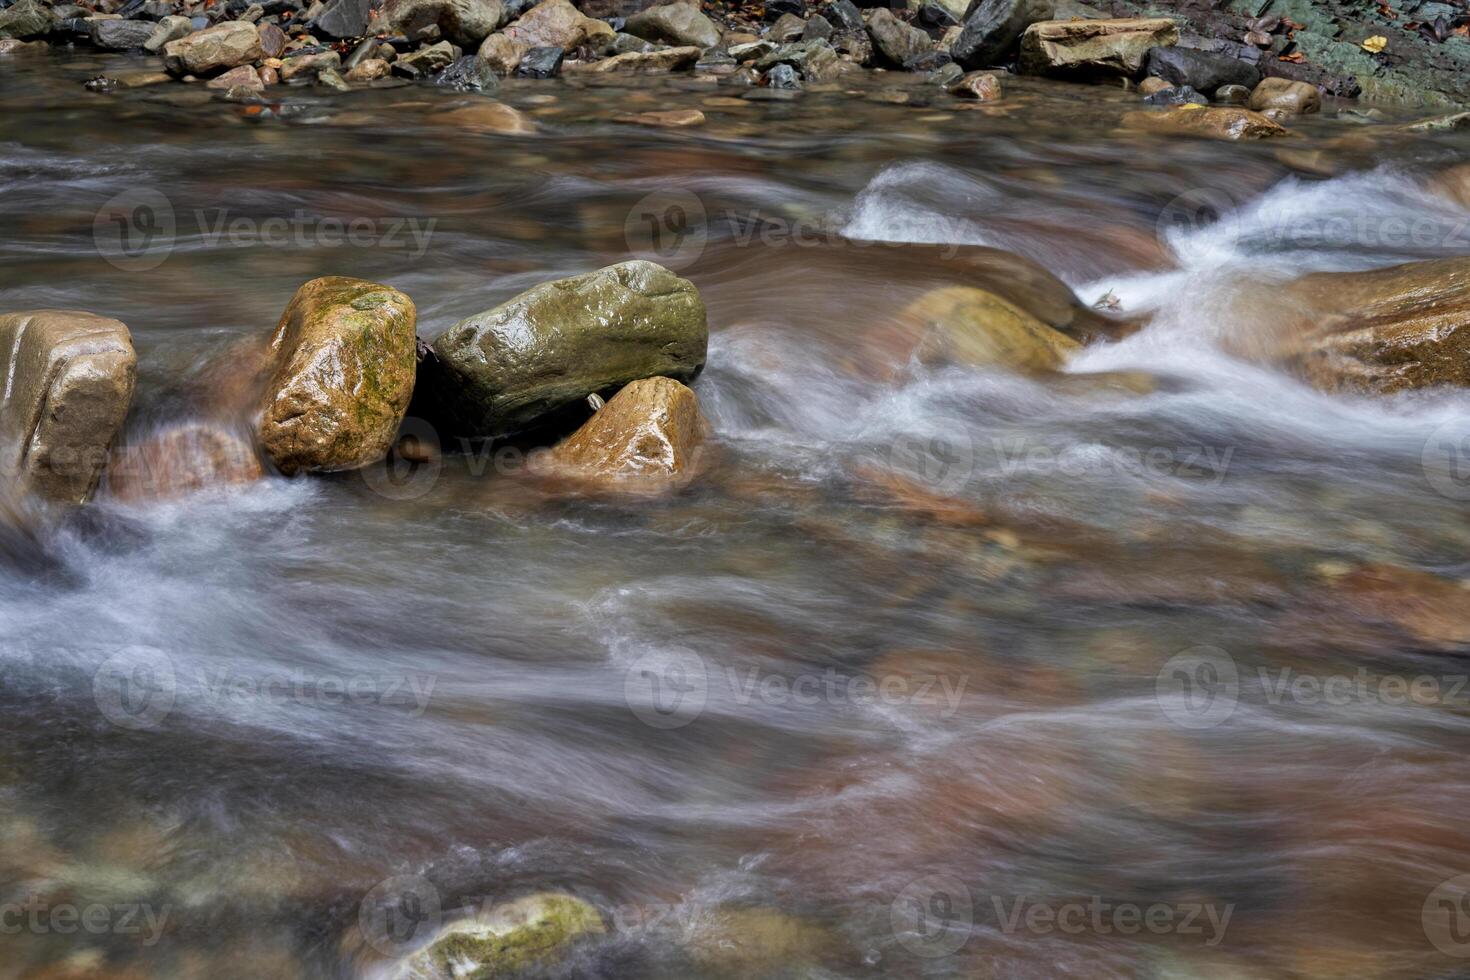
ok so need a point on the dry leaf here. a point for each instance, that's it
(1296, 57)
(1376, 43)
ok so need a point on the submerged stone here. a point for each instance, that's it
(509, 938)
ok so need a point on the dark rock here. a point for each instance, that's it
(1176, 95)
(469, 74)
(101, 84)
(28, 18)
(344, 18)
(273, 40)
(121, 35)
(715, 61)
(1200, 70)
(932, 14)
(424, 62)
(541, 63)
(845, 17)
(818, 28)
(365, 49)
(928, 61)
(858, 47)
(993, 29)
(1233, 94)
(782, 76)
(947, 75)
(775, 8)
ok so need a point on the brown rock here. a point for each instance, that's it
(1153, 84)
(343, 374)
(975, 327)
(268, 76)
(369, 69)
(649, 436)
(667, 118)
(69, 383)
(642, 62)
(464, 22)
(243, 77)
(488, 117)
(272, 40)
(309, 64)
(1211, 122)
(213, 50)
(1432, 611)
(1298, 98)
(181, 461)
(981, 85)
(553, 24)
(501, 53)
(1093, 48)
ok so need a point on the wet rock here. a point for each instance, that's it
(778, 8)
(345, 18)
(818, 28)
(469, 74)
(947, 75)
(541, 63)
(715, 61)
(501, 53)
(121, 35)
(666, 118)
(368, 70)
(273, 41)
(981, 85)
(342, 376)
(936, 15)
(309, 64)
(993, 28)
(1384, 330)
(1093, 48)
(753, 51)
(243, 76)
(425, 61)
(1297, 98)
(166, 30)
(845, 16)
(101, 84)
(212, 50)
(928, 61)
(554, 24)
(896, 41)
(13, 46)
(1150, 85)
(180, 461)
(1433, 612)
(1211, 122)
(502, 370)
(464, 22)
(974, 327)
(1200, 70)
(525, 934)
(856, 47)
(69, 383)
(1233, 94)
(813, 60)
(783, 76)
(788, 28)
(28, 18)
(332, 79)
(678, 24)
(1176, 95)
(644, 62)
(757, 942)
(488, 117)
(649, 436)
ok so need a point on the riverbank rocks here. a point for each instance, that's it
(343, 374)
(1210, 122)
(464, 22)
(213, 50)
(648, 436)
(120, 35)
(1202, 71)
(502, 370)
(1384, 330)
(643, 62)
(992, 29)
(1093, 48)
(679, 24)
(1297, 98)
(182, 460)
(28, 18)
(527, 933)
(896, 41)
(69, 383)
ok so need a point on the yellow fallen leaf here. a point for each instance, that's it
(1375, 44)
(1191, 105)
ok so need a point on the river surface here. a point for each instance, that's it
(933, 672)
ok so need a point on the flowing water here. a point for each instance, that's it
(932, 672)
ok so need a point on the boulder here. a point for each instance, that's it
(1202, 71)
(469, 74)
(273, 40)
(1211, 122)
(679, 24)
(69, 383)
(243, 77)
(28, 18)
(982, 85)
(993, 28)
(1384, 330)
(1298, 98)
(642, 62)
(488, 117)
(896, 41)
(540, 63)
(974, 327)
(648, 435)
(166, 30)
(213, 50)
(182, 460)
(788, 27)
(500, 53)
(341, 376)
(1093, 48)
(465, 22)
(120, 35)
(528, 933)
(346, 18)
(554, 24)
(503, 370)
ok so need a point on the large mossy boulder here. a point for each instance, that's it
(527, 933)
(69, 383)
(501, 371)
(341, 376)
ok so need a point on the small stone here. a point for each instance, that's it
(28, 18)
(935, 15)
(332, 79)
(947, 75)
(244, 76)
(501, 54)
(166, 30)
(1233, 94)
(845, 16)
(1176, 95)
(212, 50)
(782, 76)
(1284, 94)
(981, 85)
(344, 18)
(510, 939)
(818, 28)
(425, 61)
(1154, 84)
(464, 22)
(469, 74)
(753, 51)
(896, 41)
(635, 62)
(368, 70)
(309, 64)
(1211, 122)
(788, 27)
(777, 8)
(489, 117)
(667, 118)
(648, 436)
(678, 24)
(928, 61)
(1093, 48)
(121, 35)
(541, 63)
(268, 76)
